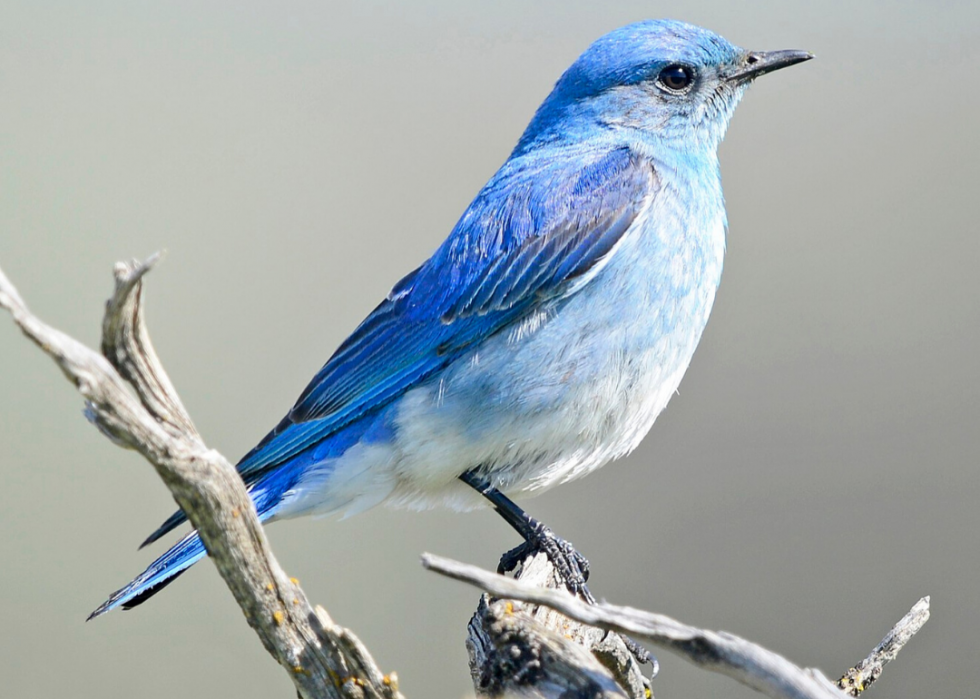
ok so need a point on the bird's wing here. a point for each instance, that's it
(530, 235)
(534, 233)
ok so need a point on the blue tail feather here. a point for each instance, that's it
(267, 494)
(172, 522)
(182, 556)
(178, 517)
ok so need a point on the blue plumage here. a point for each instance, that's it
(543, 337)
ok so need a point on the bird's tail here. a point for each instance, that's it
(161, 573)
(267, 495)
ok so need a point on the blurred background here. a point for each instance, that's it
(817, 474)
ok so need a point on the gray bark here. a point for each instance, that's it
(131, 400)
(531, 639)
(718, 651)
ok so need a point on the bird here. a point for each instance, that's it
(548, 331)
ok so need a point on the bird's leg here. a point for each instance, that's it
(571, 565)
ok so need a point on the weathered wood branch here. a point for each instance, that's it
(533, 651)
(717, 651)
(531, 641)
(130, 398)
(866, 672)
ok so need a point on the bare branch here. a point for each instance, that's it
(131, 399)
(126, 344)
(512, 654)
(718, 651)
(551, 645)
(867, 672)
(533, 651)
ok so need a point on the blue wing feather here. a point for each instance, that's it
(499, 262)
(529, 234)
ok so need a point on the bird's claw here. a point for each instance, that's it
(641, 655)
(573, 568)
(570, 565)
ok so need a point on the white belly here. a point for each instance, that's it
(549, 401)
(552, 401)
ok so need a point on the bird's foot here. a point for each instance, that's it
(573, 568)
(641, 655)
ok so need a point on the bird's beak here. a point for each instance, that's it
(756, 63)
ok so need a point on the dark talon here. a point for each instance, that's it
(570, 565)
(642, 655)
(510, 560)
(573, 568)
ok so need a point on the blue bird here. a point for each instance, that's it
(541, 340)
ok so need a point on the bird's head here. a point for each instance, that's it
(672, 83)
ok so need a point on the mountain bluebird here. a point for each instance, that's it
(544, 336)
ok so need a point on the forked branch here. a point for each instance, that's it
(130, 398)
(514, 650)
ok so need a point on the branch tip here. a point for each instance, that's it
(725, 653)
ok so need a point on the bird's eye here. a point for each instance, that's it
(676, 77)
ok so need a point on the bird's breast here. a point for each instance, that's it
(580, 381)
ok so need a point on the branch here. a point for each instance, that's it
(552, 646)
(130, 399)
(866, 672)
(533, 651)
(717, 651)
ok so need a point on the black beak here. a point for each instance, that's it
(756, 63)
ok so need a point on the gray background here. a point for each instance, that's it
(815, 476)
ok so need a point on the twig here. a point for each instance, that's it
(130, 399)
(867, 672)
(718, 651)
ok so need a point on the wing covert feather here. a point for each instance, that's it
(530, 235)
